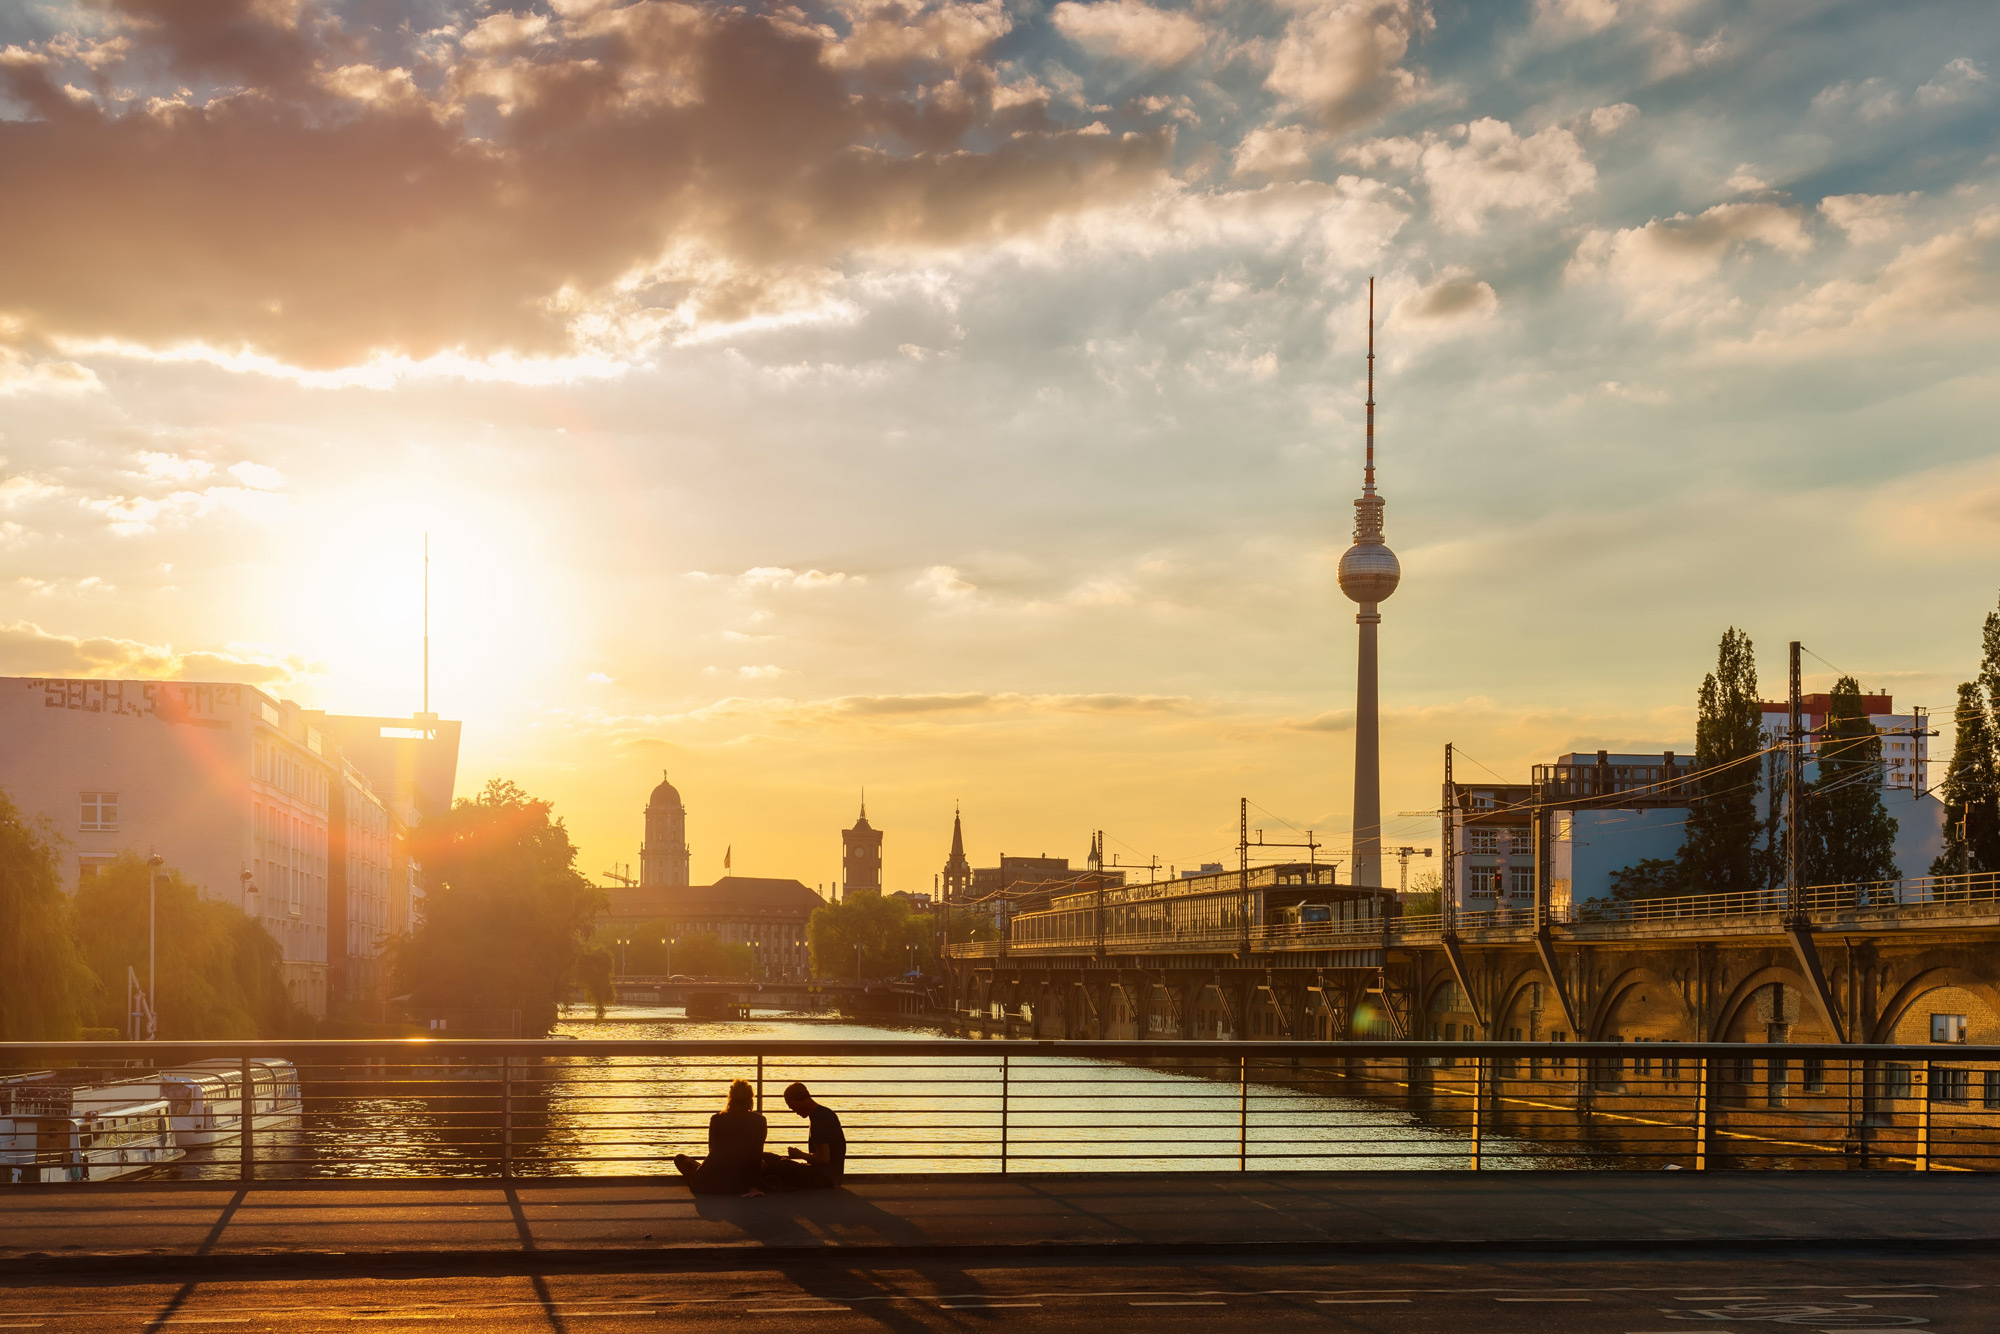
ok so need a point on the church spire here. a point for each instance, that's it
(957, 878)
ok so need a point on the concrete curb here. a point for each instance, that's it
(628, 1259)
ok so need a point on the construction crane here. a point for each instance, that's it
(1403, 856)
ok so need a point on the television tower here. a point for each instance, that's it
(1369, 573)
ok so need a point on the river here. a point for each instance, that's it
(626, 1115)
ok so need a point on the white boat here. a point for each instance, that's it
(100, 1144)
(205, 1099)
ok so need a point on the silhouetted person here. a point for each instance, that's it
(735, 1148)
(822, 1163)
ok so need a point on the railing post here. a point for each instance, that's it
(1702, 1094)
(1478, 1106)
(1243, 1113)
(507, 1115)
(1003, 1112)
(1924, 1118)
(246, 1153)
(760, 1081)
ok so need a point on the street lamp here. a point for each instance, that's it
(154, 861)
(857, 963)
(621, 956)
(251, 896)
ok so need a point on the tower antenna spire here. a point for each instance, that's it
(1368, 478)
(427, 624)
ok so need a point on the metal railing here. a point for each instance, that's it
(591, 1110)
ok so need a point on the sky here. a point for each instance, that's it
(963, 401)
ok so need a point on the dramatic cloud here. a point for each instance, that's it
(29, 650)
(1477, 170)
(1343, 61)
(1130, 30)
(533, 185)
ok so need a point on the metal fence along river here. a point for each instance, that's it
(593, 1109)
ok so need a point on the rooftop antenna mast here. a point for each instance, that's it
(427, 629)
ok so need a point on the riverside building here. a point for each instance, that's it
(248, 797)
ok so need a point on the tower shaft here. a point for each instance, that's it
(1367, 757)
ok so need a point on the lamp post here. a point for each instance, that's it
(857, 962)
(669, 943)
(153, 863)
(621, 955)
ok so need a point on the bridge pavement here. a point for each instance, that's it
(188, 1230)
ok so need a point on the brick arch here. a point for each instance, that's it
(1914, 990)
(1629, 980)
(1741, 994)
(1529, 974)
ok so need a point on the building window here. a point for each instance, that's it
(1480, 881)
(1992, 1090)
(1815, 1074)
(1896, 1080)
(100, 813)
(1947, 1028)
(1521, 881)
(1950, 1083)
(1519, 844)
(1482, 840)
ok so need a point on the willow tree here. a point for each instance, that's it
(1849, 835)
(46, 990)
(1720, 852)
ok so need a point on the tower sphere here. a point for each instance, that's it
(1369, 572)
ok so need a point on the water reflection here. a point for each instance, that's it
(561, 1115)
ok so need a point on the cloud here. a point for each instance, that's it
(27, 649)
(1342, 61)
(1669, 253)
(1609, 120)
(772, 577)
(942, 583)
(1867, 218)
(1283, 152)
(1338, 720)
(1476, 170)
(1130, 30)
(1454, 297)
(585, 183)
(1960, 81)
(767, 672)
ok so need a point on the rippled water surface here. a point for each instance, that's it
(625, 1115)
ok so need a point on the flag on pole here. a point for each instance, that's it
(725, 855)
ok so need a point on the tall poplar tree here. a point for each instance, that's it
(1849, 836)
(1719, 853)
(1971, 790)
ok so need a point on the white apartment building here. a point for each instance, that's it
(245, 795)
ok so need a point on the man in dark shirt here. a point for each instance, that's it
(822, 1163)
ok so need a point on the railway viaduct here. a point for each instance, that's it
(1854, 963)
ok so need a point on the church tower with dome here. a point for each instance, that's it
(663, 858)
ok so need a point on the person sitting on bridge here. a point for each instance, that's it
(735, 1148)
(822, 1163)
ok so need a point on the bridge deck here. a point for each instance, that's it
(66, 1229)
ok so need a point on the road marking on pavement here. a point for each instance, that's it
(1897, 1296)
(580, 1315)
(1177, 1303)
(985, 1306)
(1361, 1301)
(792, 1310)
(36, 1325)
(1541, 1299)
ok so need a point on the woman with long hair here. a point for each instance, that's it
(735, 1148)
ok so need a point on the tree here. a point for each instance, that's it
(508, 917)
(1426, 892)
(1971, 790)
(220, 973)
(46, 989)
(1649, 878)
(1719, 853)
(882, 925)
(1848, 837)
(705, 954)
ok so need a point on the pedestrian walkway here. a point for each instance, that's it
(184, 1229)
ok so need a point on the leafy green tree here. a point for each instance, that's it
(1971, 790)
(508, 917)
(705, 954)
(1720, 852)
(46, 989)
(881, 925)
(1650, 878)
(1848, 835)
(220, 973)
